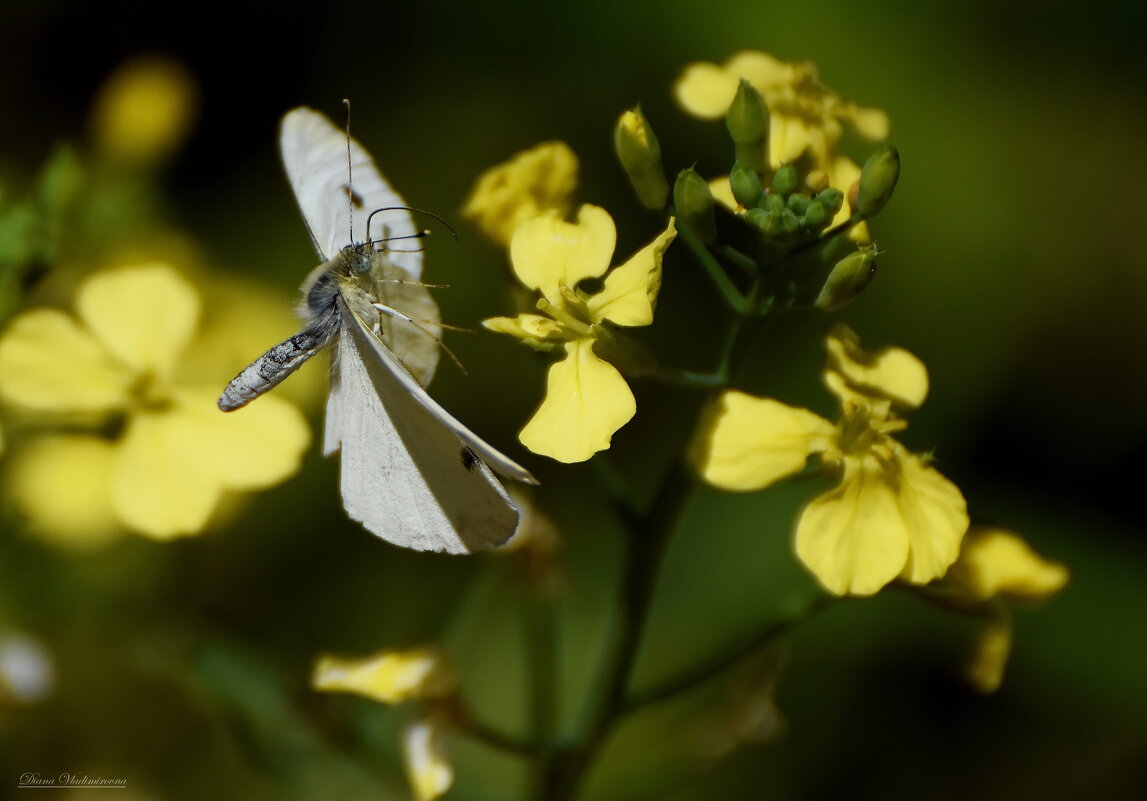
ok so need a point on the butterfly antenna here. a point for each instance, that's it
(423, 233)
(350, 176)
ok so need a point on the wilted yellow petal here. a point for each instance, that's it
(630, 291)
(748, 443)
(252, 448)
(144, 315)
(532, 182)
(935, 517)
(891, 372)
(159, 487)
(547, 252)
(390, 677)
(525, 326)
(985, 669)
(49, 363)
(427, 768)
(854, 538)
(994, 562)
(60, 483)
(586, 401)
(144, 109)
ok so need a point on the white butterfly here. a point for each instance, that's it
(411, 473)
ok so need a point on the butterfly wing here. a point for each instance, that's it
(314, 155)
(407, 474)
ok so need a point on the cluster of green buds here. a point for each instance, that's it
(790, 208)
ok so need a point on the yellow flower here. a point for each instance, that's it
(532, 182)
(996, 565)
(587, 399)
(427, 768)
(144, 109)
(805, 116)
(891, 515)
(172, 456)
(389, 677)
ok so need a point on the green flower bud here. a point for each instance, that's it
(748, 122)
(774, 224)
(640, 155)
(785, 180)
(774, 202)
(816, 216)
(790, 221)
(756, 218)
(877, 180)
(746, 185)
(848, 279)
(798, 203)
(694, 204)
(832, 198)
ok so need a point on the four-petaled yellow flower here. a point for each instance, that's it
(805, 116)
(392, 677)
(891, 515)
(587, 399)
(534, 181)
(161, 456)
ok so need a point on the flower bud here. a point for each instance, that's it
(816, 216)
(756, 218)
(746, 185)
(785, 180)
(640, 155)
(748, 124)
(694, 204)
(832, 198)
(848, 279)
(798, 203)
(774, 202)
(877, 180)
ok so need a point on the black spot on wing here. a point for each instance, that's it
(355, 198)
(469, 458)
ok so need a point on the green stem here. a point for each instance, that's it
(714, 270)
(698, 675)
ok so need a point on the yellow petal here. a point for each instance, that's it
(935, 517)
(748, 443)
(532, 182)
(525, 326)
(985, 669)
(159, 487)
(854, 538)
(893, 373)
(630, 291)
(995, 562)
(252, 448)
(547, 252)
(871, 123)
(49, 363)
(843, 172)
(705, 90)
(723, 192)
(143, 315)
(389, 677)
(764, 71)
(427, 768)
(61, 484)
(586, 401)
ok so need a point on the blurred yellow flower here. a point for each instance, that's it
(144, 109)
(997, 565)
(891, 515)
(172, 456)
(392, 677)
(534, 181)
(805, 116)
(427, 768)
(587, 399)
(389, 677)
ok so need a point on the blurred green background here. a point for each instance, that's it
(1012, 264)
